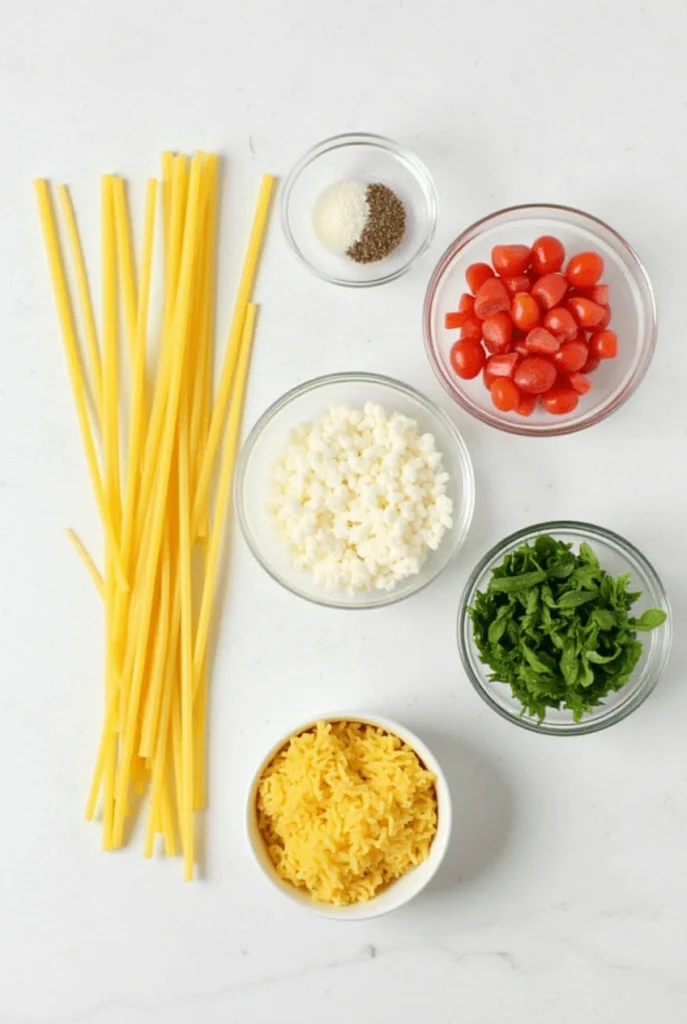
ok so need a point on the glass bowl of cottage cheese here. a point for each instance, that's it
(354, 490)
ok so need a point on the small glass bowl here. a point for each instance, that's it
(631, 297)
(368, 158)
(616, 556)
(404, 888)
(307, 402)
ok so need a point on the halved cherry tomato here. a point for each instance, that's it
(580, 383)
(454, 320)
(593, 363)
(585, 269)
(587, 313)
(600, 294)
(571, 356)
(492, 297)
(604, 344)
(519, 283)
(548, 254)
(467, 358)
(606, 319)
(561, 322)
(466, 303)
(535, 374)
(502, 365)
(524, 311)
(477, 274)
(509, 260)
(472, 327)
(542, 342)
(560, 399)
(497, 331)
(549, 290)
(504, 394)
(526, 405)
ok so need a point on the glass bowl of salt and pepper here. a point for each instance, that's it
(358, 210)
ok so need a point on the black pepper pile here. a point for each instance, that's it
(385, 228)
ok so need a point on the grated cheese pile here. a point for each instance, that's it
(360, 498)
(345, 809)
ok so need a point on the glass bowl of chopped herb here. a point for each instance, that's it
(564, 628)
(359, 210)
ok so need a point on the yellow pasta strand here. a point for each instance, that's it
(87, 561)
(71, 347)
(224, 388)
(160, 772)
(84, 296)
(223, 493)
(159, 664)
(125, 253)
(186, 641)
(137, 411)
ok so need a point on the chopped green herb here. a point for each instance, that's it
(556, 627)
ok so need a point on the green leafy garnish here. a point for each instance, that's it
(556, 627)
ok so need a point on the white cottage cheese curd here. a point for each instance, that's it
(360, 498)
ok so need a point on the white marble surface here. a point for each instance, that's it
(565, 895)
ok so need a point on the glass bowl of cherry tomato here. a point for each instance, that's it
(540, 320)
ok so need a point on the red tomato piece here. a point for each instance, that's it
(535, 374)
(526, 405)
(604, 344)
(593, 363)
(488, 377)
(548, 254)
(466, 303)
(601, 294)
(467, 358)
(587, 313)
(497, 331)
(561, 322)
(504, 394)
(606, 319)
(524, 311)
(585, 269)
(541, 341)
(492, 297)
(454, 320)
(580, 383)
(519, 283)
(476, 275)
(503, 364)
(560, 399)
(509, 260)
(472, 327)
(549, 290)
(571, 356)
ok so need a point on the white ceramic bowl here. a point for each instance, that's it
(405, 888)
(254, 479)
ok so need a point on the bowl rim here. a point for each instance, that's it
(333, 142)
(587, 531)
(456, 536)
(521, 426)
(438, 849)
